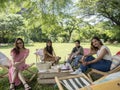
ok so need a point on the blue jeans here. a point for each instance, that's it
(102, 65)
(76, 60)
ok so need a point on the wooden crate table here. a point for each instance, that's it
(48, 76)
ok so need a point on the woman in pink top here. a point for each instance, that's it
(19, 54)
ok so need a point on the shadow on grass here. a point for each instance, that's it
(4, 82)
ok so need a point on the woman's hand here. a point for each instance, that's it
(16, 64)
(82, 59)
(85, 63)
(86, 55)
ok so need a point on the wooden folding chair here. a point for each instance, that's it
(73, 82)
(4, 64)
(3, 69)
(39, 55)
(28, 69)
(109, 85)
(113, 70)
(81, 82)
(117, 69)
(86, 51)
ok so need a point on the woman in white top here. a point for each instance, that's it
(103, 60)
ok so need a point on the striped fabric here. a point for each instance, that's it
(75, 83)
(115, 62)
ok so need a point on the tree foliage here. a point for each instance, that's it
(107, 8)
(11, 26)
(60, 20)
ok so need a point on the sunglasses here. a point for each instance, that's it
(20, 43)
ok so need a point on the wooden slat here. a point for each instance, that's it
(58, 83)
(75, 76)
(109, 85)
(52, 75)
(103, 73)
(46, 81)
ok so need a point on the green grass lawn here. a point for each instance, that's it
(61, 49)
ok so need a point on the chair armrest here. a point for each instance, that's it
(98, 72)
(58, 83)
(95, 71)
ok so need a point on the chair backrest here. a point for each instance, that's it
(75, 82)
(118, 53)
(86, 51)
(39, 53)
(4, 60)
(115, 61)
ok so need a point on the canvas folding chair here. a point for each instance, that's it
(73, 82)
(115, 64)
(31, 72)
(117, 69)
(39, 55)
(4, 64)
(28, 70)
(86, 51)
(107, 82)
(4, 74)
(109, 85)
(81, 82)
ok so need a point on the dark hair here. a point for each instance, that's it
(16, 49)
(78, 41)
(92, 46)
(49, 48)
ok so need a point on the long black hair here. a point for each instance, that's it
(16, 49)
(92, 46)
(49, 48)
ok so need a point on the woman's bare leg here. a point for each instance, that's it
(57, 59)
(13, 79)
(21, 77)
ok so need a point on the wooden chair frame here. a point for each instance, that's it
(39, 58)
(57, 79)
(108, 85)
(28, 80)
(5, 74)
(103, 73)
(34, 73)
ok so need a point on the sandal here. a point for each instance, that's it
(12, 86)
(26, 86)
